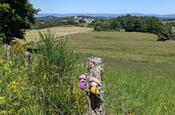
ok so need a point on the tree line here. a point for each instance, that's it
(130, 23)
(50, 21)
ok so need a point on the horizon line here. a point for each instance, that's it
(106, 13)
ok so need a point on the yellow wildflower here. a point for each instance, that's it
(45, 77)
(13, 86)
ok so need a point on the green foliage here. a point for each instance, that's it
(136, 24)
(46, 22)
(115, 25)
(103, 25)
(15, 18)
(47, 86)
(140, 24)
(166, 33)
(56, 54)
(172, 23)
(82, 21)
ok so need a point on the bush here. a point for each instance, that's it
(47, 86)
(106, 25)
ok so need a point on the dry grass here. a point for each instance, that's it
(33, 35)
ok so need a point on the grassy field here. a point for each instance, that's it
(138, 52)
(33, 35)
(139, 71)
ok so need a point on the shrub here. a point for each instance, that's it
(47, 86)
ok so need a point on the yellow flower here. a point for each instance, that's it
(95, 90)
(45, 77)
(13, 86)
(14, 83)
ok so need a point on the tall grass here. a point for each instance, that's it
(48, 86)
(139, 94)
(139, 71)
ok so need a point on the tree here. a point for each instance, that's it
(115, 25)
(82, 21)
(15, 17)
(166, 33)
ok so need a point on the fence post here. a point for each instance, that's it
(95, 87)
(8, 51)
(28, 57)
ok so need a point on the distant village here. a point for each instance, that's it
(51, 21)
(81, 19)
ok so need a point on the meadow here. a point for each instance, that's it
(139, 72)
(130, 51)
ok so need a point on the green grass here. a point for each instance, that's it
(139, 93)
(128, 51)
(139, 71)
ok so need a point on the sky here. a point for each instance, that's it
(105, 6)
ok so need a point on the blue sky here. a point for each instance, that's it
(106, 6)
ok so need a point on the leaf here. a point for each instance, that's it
(2, 100)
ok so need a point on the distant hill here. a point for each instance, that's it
(52, 18)
(166, 16)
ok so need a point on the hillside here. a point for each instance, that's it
(129, 51)
(139, 71)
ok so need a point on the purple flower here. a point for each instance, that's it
(82, 84)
